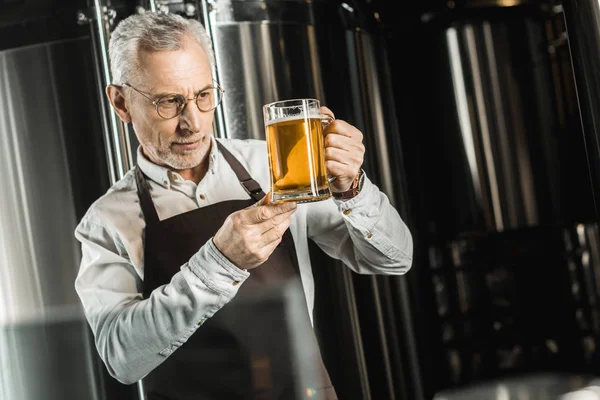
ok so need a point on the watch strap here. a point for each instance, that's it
(352, 191)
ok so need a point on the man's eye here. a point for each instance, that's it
(170, 100)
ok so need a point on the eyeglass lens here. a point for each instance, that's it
(172, 105)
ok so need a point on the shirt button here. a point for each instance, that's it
(347, 212)
(202, 197)
(369, 235)
(166, 182)
(235, 283)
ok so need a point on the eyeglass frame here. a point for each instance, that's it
(155, 103)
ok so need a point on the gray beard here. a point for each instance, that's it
(181, 162)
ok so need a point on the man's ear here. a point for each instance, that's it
(117, 99)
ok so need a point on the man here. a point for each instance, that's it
(171, 251)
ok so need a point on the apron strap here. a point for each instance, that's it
(250, 185)
(143, 191)
(143, 188)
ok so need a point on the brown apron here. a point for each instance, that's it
(244, 351)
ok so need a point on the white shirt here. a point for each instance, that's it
(134, 335)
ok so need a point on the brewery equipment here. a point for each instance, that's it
(473, 130)
(499, 184)
(267, 51)
(53, 163)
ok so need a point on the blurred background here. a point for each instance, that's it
(480, 120)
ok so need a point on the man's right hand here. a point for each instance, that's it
(249, 236)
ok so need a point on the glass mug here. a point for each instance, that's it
(296, 146)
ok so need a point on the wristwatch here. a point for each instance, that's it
(350, 193)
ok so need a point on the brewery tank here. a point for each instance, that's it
(329, 50)
(582, 19)
(265, 51)
(500, 192)
(53, 164)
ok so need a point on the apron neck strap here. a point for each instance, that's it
(143, 188)
(146, 203)
(250, 185)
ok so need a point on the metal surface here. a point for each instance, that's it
(268, 51)
(501, 177)
(582, 19)
(503, 157)
(50, 165)
(530, 387)
(584, 267)
(260, 60)
(386, 298)
(497, 175)
(116, 133)
(500, 3)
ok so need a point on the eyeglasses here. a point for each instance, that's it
(171, 105)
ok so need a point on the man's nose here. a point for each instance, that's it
(191, 117)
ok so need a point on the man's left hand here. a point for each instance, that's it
(344, 152)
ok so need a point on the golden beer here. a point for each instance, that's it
(297, 159)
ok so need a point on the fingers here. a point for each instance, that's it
(264, 212)
(344, 153)
(353, 158)
(274, 228)
(249, 236)
(279, 218)
(327, 111)
(339, 170)
(346, 141)
(274, 235)
(261, 239)
(342, 128)
(342, 148)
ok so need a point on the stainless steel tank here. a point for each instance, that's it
(292, 48)
(53, 168)
(330, 50)
(582, 19)
(503, 138)
(499, 184)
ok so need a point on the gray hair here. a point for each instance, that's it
(151, 31)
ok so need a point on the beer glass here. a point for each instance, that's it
(295, 143)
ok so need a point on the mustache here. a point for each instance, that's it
(187, 137)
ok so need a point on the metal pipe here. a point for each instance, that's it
(116, 133)
(219, 122)
(151, 5)
(348, 293)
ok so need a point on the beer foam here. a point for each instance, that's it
(313, 115)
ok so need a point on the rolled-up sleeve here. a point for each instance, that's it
(134, 335)
(366, 232)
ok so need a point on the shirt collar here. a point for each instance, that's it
(163, 175)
